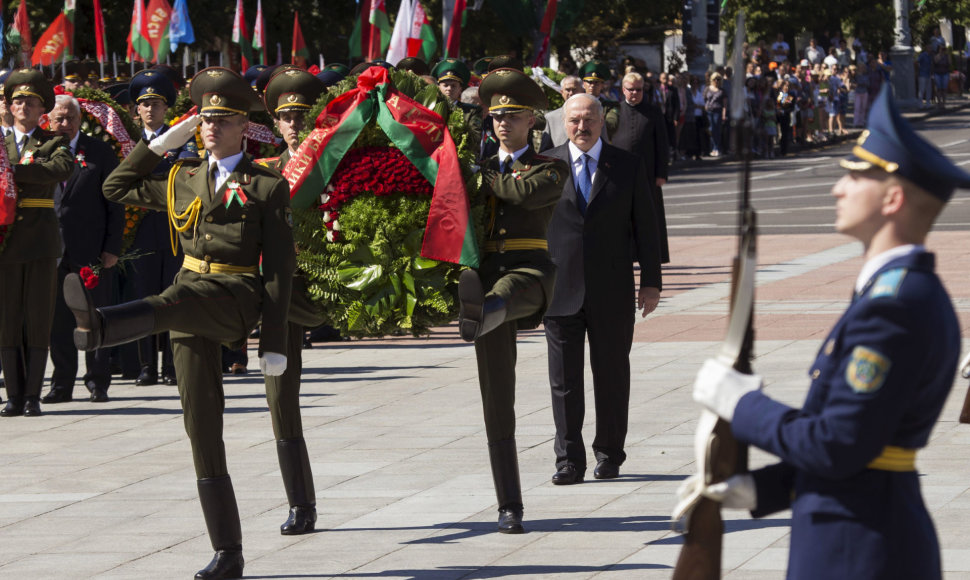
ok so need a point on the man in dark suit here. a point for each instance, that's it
(604, 213)
(91, 229)
(638, 126)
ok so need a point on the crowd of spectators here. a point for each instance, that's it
(792, 95)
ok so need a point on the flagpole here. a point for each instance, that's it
(185, 62)
(114, 62)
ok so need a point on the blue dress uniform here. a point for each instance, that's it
(155, 270)
(878, 386)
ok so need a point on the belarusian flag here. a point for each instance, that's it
(20, 29)
(139, 48)
(159, 15)
(69, 28)
(451, 26)
(241, 37)
(299, 53)
(100, 46)
(421, 28)
(360, 35)
(259, 34)
(380, 32)
(50, 47)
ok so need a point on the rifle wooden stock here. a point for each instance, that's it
(965, 412)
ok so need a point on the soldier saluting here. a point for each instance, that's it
(514, 283)
(228, 212)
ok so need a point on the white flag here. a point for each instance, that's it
(398, 48)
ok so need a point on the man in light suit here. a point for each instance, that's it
(91, 229)
(604, 215)
(555, 128)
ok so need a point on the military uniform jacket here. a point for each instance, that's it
(522, 202)
(46, 162)
(237, 234)
(880, 379)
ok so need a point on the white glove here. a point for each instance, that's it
(719, 387)
(736, 492)
(272, 364)
(175, 137)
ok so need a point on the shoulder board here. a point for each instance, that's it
(888, 283)
(191, 161)
(259, 168)
(545, 158)
(267, 161)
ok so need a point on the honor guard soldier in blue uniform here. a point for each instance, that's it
(878, 384)
(28, 262)
(514, 283)
(288, 97)
(229, 214)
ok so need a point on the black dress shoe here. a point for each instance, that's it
(169, 380)
(32, 407)
(146, 378)
(606, 469)
(58, 395)
(13, 408)
(225, 564)
(301, 521)
(99, 395)
(568, 475)
(510, 521)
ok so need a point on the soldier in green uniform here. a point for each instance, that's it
(228, 212)
(288, 97)
(452, 76)
(514, 283)
(28, 262)
(596, 75)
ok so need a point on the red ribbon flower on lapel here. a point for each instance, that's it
(234, 192)
(79, 158)
(27, 158)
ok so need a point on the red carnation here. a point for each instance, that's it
(89, 278)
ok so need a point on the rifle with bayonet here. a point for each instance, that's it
(719, 454)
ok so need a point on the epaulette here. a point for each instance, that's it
(267, 170)
(191, 160)
(546, 158)
(888, 283)
(267, 161)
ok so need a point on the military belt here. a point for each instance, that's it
(516, 244)
(206, 267)
(31, 202)
(895, 459)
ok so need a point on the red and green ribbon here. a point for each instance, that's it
(234, 192)
(421, 134)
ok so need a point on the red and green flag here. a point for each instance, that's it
(451, 27)
(156, 24)
(52, 44)
(240, 36)
(139, 47)
(372, 31)
(100, 45)
(545, 30)
(259, 34)
(20, 29)
(421, 134)
(299, 53)
(69, 28)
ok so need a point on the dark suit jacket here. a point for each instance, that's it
(90, 224)
(593, 253)
(642, 130)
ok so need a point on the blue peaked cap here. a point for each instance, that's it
(152, 84)
(890, 143)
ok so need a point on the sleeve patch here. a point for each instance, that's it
(289, 217)
(888, 283)
(867, 370)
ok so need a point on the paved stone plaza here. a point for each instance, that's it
(398, 451)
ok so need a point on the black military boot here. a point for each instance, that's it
(36, 365)
(225, 532)
(108, 326)
(477, 315)
(505, 474)
(298, 481)
(13, 377)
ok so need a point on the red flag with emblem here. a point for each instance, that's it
(50, 47)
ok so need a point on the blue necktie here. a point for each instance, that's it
(585, 184)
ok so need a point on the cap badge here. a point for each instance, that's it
(291, 99)
(149, 74)
(215, 73)
(291, 72)
(215, 100)
(504, 99)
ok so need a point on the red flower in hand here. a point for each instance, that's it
(89, 278)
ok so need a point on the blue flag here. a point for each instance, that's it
(180, 27)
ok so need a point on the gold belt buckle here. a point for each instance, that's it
(500, 246)
(204, 267)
